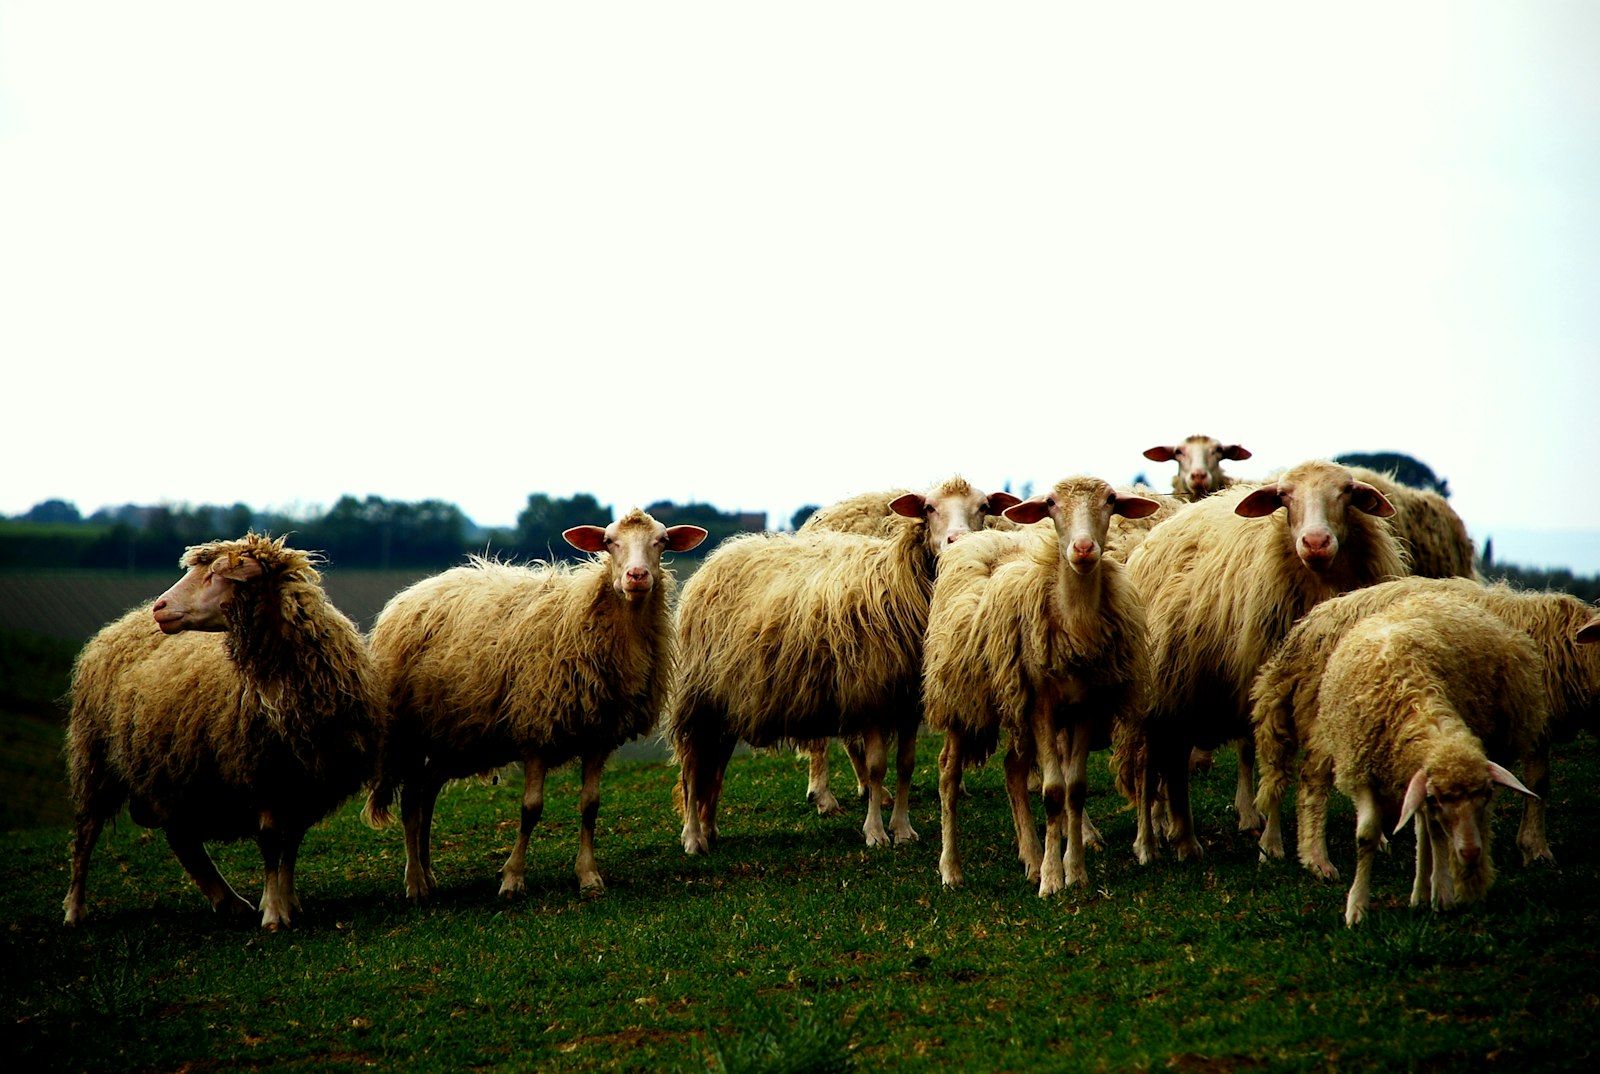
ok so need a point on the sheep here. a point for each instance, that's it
(239, 703)
(953, 509)
(1127, 533)
(787, 637)
(1286, 691)
(492, 663)
(1417, 700)
(1039, 632)
(1434, 537)
(1199, 460)
(1223, 580)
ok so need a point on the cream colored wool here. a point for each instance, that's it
(1415, 690)
(1039, 633)
(494, 663)
(1221, 591)
(1285, 698)
(1433, 537)
(257, 730)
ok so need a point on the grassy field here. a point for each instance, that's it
(794, 948)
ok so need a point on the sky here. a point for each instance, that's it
(766, 255)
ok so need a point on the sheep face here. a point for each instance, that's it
(1081, 509)
(951, 510)
(634, 544)
(1318, 497)
(199, 600)
(1453, 801)
(1199, 460)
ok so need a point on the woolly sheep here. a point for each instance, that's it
(1199, 460)
(1286, 691)
(240, 703)
(493, 663)
(1411, 694)
(1433, 536)
(953, 509)
(788, 637)
(1223, 580)
(1037, 632)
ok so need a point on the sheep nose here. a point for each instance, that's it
(1318, 541)
(638, 574)
(1083, 547)
(953, 537)
(1469, 854)
(1199, 479)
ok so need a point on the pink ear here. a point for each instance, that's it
(1506, 779)
(1235, 452)
(1589, 632)
(1416, 790)
(1028, 511)
(999, 501)
(242, 571)
(683, 538)
(1260, 503)
(1135, 506)
(909, 504)
(1363, 497)
(1161, 454)
(586, 538)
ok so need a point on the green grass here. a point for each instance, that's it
(794, 948)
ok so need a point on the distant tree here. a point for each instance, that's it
(719, 525)
(56, 511)
(798, 519)
(1406, 470)
(376, 532)
(541, 523)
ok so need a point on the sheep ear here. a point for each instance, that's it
(1028, 511)
(586, 538)
(683, 538)
(1135, 506)
(242, 570)
(1235, 452)
(1504, 777)
(1261, 502)
(1416, 791)
(1363, 497)
(997, 502)
(1161, 453)
(1589, 632)
(909, 504)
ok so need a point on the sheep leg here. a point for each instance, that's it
(905, 764)
(1018, 766)
(1269, 802)
(702, 764)
(856, 751)
(1077, 787)
(191, 853)
(818, 791)
(877, 767)
(1091, 835)
(1530, 834)
(275, 909)
(1369, 830)
(291, 854)
(589, 882)
(1444, 888)
(1053, 788)
(1422, 879)
(1244, 794)
(950, 763)
(511, 874)
(417, 797)
(1180, 817)
(1311, 818)
(85, 833)
(1145, 848)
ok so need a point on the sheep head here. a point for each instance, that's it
(1453, 792)
(1199, 460)
(1318, 497)
(634, 544)
(214, 572)
(1081, 508)
(951, 510)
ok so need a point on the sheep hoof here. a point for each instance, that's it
(1323, 869)
(1539, 853)
(904, 835)
(827, 805)
(1189, 850)
(592, 889)
(879, 838)
(509, 887)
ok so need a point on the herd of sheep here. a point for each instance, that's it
(1327, 620)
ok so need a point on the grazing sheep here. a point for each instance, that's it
(1038, 632)
(1285, 698)
(792, 637)
(1199, 460)
(953, 509)
(1417, 699)
(1433, 536)
(1223, 580)
(492, 663)
(240, 703)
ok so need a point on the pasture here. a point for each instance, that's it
(794, 948)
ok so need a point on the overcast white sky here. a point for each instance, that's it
(766, 255)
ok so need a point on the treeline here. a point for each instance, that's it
(371, 532)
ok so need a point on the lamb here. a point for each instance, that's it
(1199, 460)
(1285, 698)
(787, 637)
(1416, 700)
(492, 663)
(1434, 537)
(953, 509)
(1039, 632)
(1223, 581)
(239, 703)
